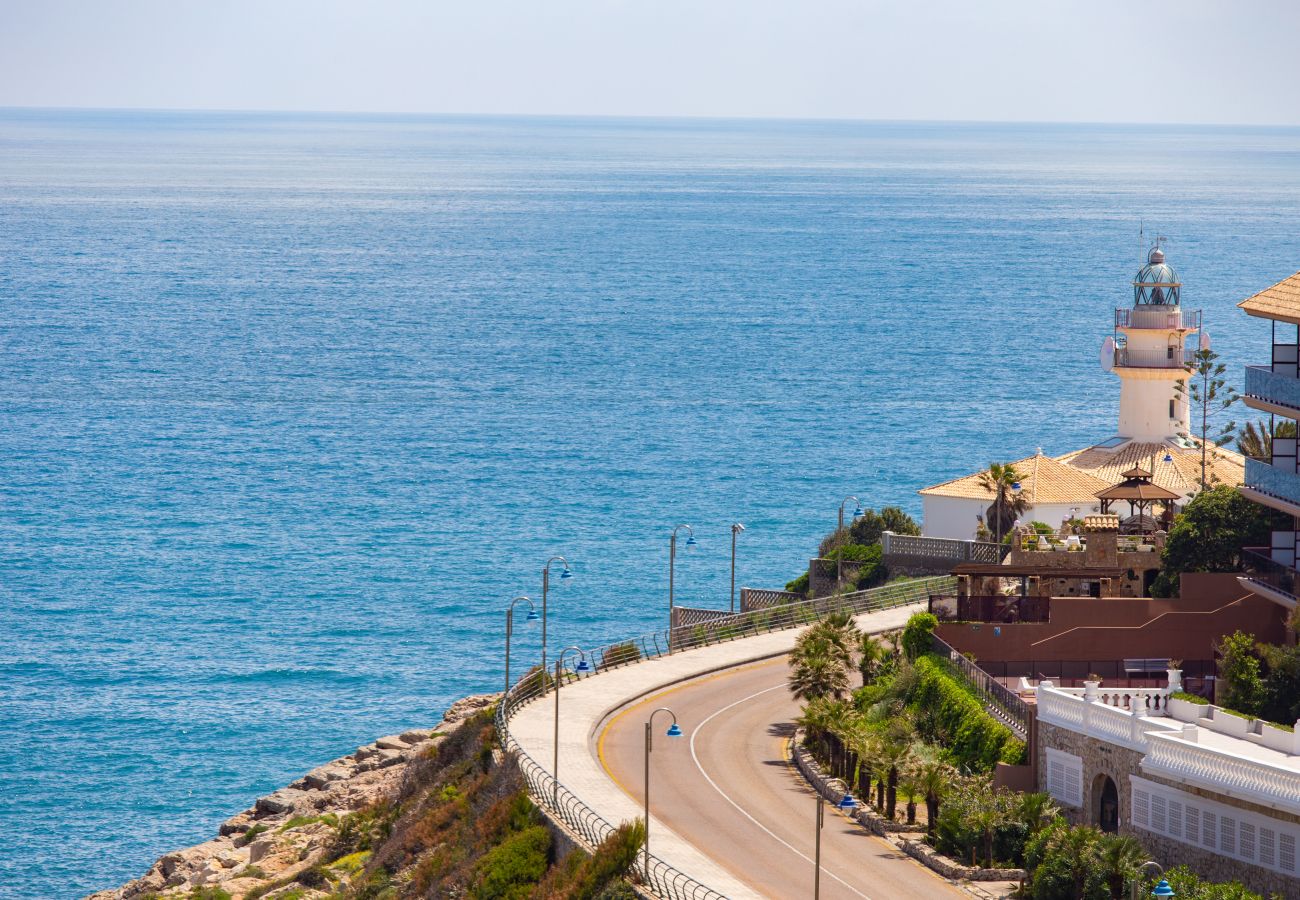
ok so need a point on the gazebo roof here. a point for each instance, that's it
(1136, 489)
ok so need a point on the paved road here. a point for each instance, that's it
(728, 787)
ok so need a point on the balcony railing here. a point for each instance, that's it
(990, 608)
(1100, 719)
(1263, 569)
(1161, 318)
(1262, 383)
(1150, 359)
(1221, 772)
(1267, 479)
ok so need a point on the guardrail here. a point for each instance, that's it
(1002, 702)
(558, 801)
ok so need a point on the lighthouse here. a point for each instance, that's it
(1148, 353)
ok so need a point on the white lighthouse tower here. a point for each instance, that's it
(1148, 352)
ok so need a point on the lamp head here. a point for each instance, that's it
(690, 540)
(532, 616)
(857, 511)
(582, 666)
(566, 573)
(847, 802)
(1163, 889)
(737, 528)
(1169, 457)
(1015, 486)
(674, 730)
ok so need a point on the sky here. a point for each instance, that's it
(1151, 61)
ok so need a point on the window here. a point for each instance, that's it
(1065, 777)
(1172, 414)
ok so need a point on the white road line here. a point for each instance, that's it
(725, 796)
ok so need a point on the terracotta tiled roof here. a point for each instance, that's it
(1182, 476)
(1042, 480)
(1104, 522)
(1281, 301)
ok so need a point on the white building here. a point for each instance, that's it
(1148, 351)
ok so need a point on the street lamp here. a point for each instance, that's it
(857, 511)
(674, 730)
(672, 562)
(546, 584)
(1162, 889)
(510, 628)
(736, 529)
(846, 804)
(582, 666)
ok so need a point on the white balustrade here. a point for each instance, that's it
(1254, 780)
(1116, 715)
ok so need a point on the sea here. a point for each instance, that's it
(291, 405)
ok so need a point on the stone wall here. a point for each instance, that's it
(1101, 759)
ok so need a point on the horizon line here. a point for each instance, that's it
(642, 117)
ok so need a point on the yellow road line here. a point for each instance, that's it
(651, 698)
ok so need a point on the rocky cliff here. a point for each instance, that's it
(288, 832)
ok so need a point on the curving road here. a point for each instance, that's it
(728, 786)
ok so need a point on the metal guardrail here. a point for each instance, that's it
(1001, 702)
(662, 879)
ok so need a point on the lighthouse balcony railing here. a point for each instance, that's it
(1160, 358)
(1261, 568)
(1162, 318)
(1266, 384)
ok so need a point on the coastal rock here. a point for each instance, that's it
(289, 830)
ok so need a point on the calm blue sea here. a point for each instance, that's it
(290, 406)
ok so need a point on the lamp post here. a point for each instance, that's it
(546, 585)
(736, 529)
(672, 562)
(846, 804)
(582, 666)
(510, 628)
(1162, 889)
(674, 730)
(857, 511)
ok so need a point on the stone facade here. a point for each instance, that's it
(1102, 760)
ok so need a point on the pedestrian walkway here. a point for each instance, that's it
(585, 704)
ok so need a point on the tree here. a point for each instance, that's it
(875, 659)
(917, 632)
(818, 672)
(1208, 393)
(930, 777)
(1256, 441)
(1008, 503)
(1207, 536)
(1281, 700)
(1064, 864)
(1242, 686)
(868, 527)
(1121, 857)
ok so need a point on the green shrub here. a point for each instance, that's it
(955, 717)
(1240, 685)
(1190, 698)
(917, 632)
(868, 527)
(619, 654)
(855, 553)
(251, 834)
(799, 585)
(1188, 886)
(510, 870)
(208, 893)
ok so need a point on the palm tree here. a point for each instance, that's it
(1037, 811)
(932, 778)
(815, 674)
(1256, 442)
(1008, 503)
(873, 658)
(1120, 856)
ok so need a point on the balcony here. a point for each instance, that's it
(1272, 392)
(1161, 318)
(1267, 577)
(989, 608)
(1157, 359)
(1272, 486)
(1228, 770)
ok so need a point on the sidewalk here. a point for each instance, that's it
(585, 704)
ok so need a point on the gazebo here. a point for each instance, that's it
(1141, 494)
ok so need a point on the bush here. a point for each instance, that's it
(799, 585)
(868, 527)
(512, 869)
(1188, 886)
(1190, 698)
(955, 718)
(618, 654)
(1242, 686)
(916, 634)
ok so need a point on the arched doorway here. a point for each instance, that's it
(1108, 806)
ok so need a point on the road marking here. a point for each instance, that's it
(741, 809)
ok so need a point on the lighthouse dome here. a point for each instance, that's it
(1156, 282)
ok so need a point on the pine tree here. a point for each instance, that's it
(1208, 392)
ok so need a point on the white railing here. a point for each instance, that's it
(1121, 715)
(1253, 780)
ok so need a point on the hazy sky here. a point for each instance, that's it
(1101, 60)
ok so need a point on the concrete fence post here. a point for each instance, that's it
(886, 542)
